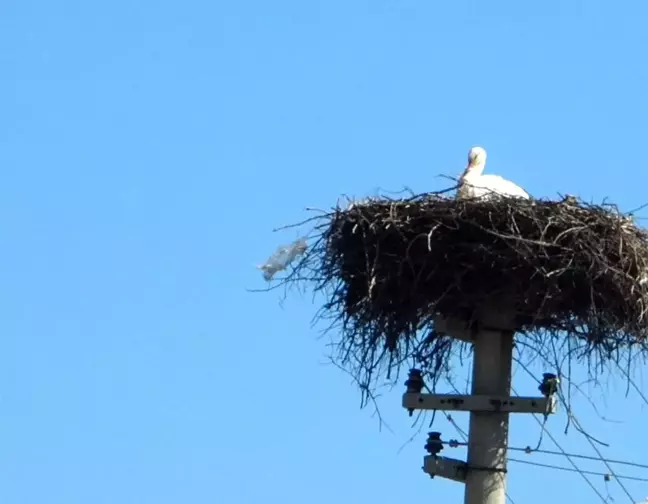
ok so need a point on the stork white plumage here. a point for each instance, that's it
(473, 184)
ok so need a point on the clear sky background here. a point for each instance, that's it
(147, 150)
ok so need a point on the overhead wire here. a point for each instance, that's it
(569, 456)
(453, 443)
(575, 467)
(570, 469)
(580, 429)
(529, 450)
(563, 452)
(598, 451)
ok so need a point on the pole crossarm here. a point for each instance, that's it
(445, 467)
(490, 403)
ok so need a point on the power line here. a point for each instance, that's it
(571, 460)
(571, 416)
(454, 443)
(569, 456)
(588, 457)
(598, 452)
(570, 469)
(553, 439)
(456, 426)
(529, 450)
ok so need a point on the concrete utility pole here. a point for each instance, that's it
(493, 354)
(484, 473)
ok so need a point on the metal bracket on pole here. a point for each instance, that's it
(445, 467)
(453, 402)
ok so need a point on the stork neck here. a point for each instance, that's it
(473, 170)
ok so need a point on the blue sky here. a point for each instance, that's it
(147, 150)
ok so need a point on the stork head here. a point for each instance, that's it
(476, 160)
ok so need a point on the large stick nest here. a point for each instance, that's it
(389, 268)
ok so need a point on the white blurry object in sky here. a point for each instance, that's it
(282, 257)
(472, 184)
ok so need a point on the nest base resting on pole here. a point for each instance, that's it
(389, 268)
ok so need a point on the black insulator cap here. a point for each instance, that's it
(549, 384)
(414, 381)
(434, 444)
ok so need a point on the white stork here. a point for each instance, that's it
(472, 184)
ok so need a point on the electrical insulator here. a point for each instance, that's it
(434, 444)
(414, 381)
(549, 384)
(414, 384)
